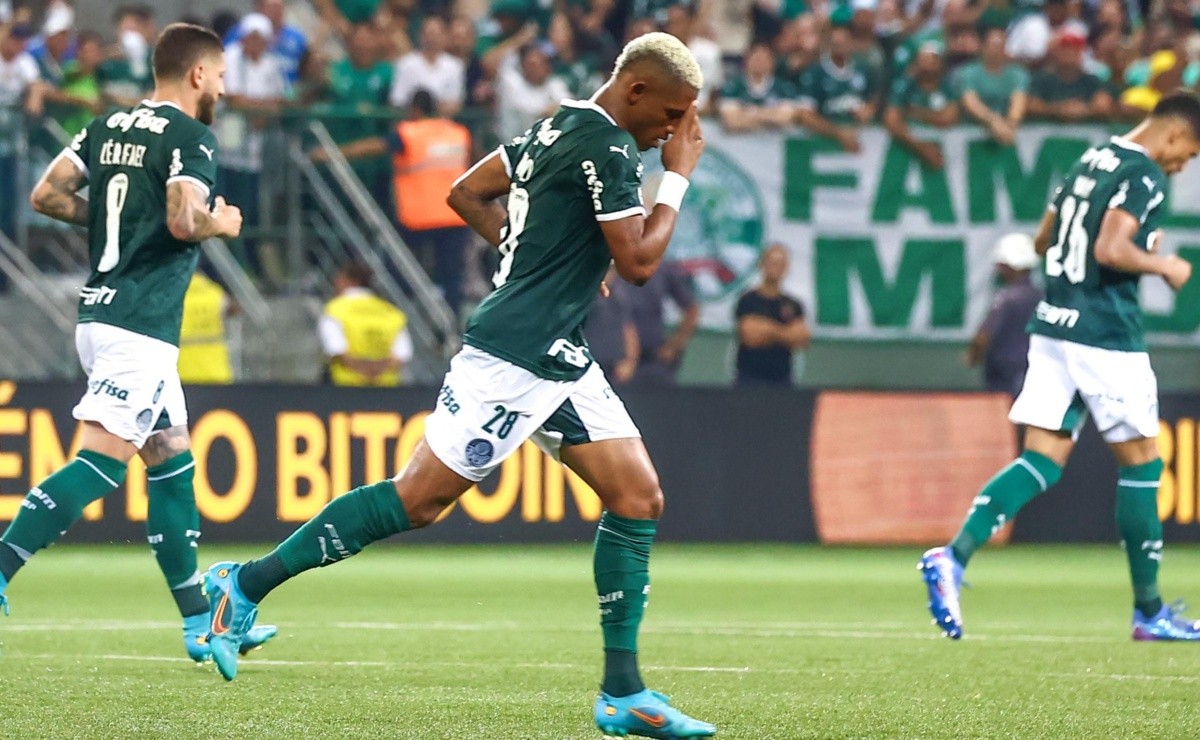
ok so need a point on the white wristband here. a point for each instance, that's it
(671, 190)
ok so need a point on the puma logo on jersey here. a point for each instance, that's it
(622, 150)
(207, 152)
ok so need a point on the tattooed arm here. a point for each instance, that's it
(189, 219)
(57, 193)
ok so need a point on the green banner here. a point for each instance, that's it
(884, 248)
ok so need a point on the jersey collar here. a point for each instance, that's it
(160, 103)
(1124, 143)
(590, 104)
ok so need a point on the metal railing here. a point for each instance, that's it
(353, 225)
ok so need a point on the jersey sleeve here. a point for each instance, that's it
(79, 150)
(612, 175)
(194, 160)
(1138, 194)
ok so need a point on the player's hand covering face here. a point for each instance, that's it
(657, 104)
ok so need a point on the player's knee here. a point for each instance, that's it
(644, 500)
(425, 511)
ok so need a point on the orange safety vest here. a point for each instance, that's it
(435, 152)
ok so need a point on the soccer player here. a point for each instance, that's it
(1087, 355)
(574, 204)
(148, 170)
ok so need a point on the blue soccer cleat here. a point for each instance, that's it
(943, 579)
(646, 714)
(195, 637)
(3, 598)
(1166, 625)
(233, 616)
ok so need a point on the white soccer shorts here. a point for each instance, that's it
(488, 407)
(1067, 381)
(133, 382)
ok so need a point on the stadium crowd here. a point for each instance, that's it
(828, 66)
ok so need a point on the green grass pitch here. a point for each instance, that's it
(501, 642)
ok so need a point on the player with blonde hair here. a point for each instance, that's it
(575, 205)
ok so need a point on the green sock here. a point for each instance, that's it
(344, 527)
(172, 528)
(621, 565)
(52, 506)
(1001, 498)
(1141, 531)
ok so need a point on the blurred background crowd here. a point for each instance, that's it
(394, 80)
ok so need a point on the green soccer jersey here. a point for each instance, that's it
(1086, 302)
(768, 92)
(570, 172)
(907, 94)
(836, 92)
(139, 271)
(1051, 88)
(994, 90)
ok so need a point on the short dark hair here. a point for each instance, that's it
(180, 47)
(1180, 104)
(358, 273)
(141, 12)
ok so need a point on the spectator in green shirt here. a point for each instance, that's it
(580, 71)
(1064, 92)
(77, 101)
(756, 98)
(922, 96)
(126, 76)
(837, 94)
(357, 95)
(993, 90)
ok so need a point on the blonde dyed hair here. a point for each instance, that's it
(668, 52)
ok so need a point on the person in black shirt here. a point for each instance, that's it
(770, 325)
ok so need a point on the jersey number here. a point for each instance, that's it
(507, 419)
(518, 212)
(114, 203)
(1073, 239)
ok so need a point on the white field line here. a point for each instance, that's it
(794, 630)
(575, 667)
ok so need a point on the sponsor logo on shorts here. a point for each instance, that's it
(446, 398)
(108, 388)
(144, 418)
(158, 391)
(479, 452)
